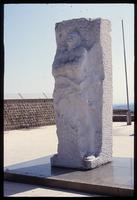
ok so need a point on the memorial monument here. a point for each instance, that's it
(82, 69)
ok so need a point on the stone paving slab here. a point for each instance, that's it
(115, 178)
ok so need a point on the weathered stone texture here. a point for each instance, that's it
(83, 93)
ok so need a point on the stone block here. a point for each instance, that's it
(82, 69)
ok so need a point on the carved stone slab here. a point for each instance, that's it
(82, 69)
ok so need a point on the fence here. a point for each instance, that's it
(20, 95)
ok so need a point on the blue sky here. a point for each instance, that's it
(30, 46)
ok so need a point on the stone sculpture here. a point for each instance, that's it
(82, 70)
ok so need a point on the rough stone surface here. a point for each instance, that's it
(82, 70)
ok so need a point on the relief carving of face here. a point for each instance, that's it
(69, 49)
(73, 40)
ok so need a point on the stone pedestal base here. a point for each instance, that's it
(89, 162)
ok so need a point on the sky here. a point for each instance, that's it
(30, 46)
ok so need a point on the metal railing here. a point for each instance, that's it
(20, 95)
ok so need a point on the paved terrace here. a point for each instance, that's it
(31, 144)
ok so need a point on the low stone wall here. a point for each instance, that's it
(28, 113)
(120, 115)
(121, 118)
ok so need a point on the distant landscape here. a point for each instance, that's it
(123, 106)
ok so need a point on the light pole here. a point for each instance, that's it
(128, 110)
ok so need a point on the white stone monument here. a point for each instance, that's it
(82, 69)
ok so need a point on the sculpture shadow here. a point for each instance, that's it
(11, 188)
(40, 167)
